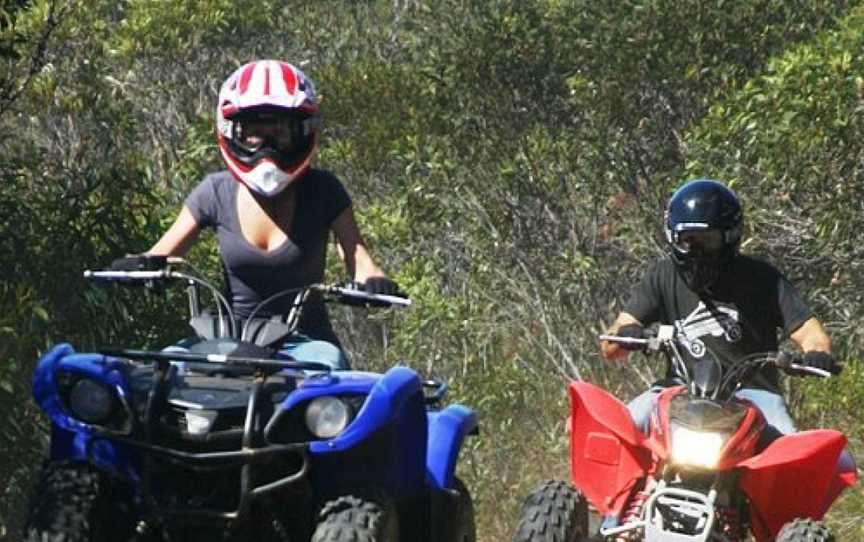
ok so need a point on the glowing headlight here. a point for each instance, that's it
(327, 416)
(91, 402)
(199, 422)
(696, 448)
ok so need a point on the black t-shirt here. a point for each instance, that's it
(751, 302)
(254, 274)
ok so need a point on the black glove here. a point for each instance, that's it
(631, 331)
(139, 262)
(822, 360)
(382, 286)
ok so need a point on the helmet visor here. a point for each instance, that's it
(702, 242)
(281, 132)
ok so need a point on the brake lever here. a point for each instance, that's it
(789, 363)
(362, 297)
(623, 340)
(796, 368)
(651, 343)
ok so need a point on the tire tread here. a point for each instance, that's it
(805, 530)
(352, 519)
(66, 504)
(555, 512)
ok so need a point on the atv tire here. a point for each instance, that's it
(805, 530)
(554, 512)
(71, 504)
(461, 527)
(352, 519)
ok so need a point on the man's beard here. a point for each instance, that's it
(700, 273)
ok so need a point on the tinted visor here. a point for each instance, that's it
(707, 242)
(282, 132)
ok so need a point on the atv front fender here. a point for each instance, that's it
(385, 445)
(392, 397)
(70, 438)
(447, 431)
(62, 357)
(609, 455)
(792, 478)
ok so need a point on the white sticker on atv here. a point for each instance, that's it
(703, 322)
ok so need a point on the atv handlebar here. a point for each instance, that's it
(149, 270)
(653, 341)
(665, 339)
(342, 293)
(353, 294)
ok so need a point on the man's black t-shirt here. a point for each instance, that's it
(741, 315)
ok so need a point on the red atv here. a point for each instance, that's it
(704, 472)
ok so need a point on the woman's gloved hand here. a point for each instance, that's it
(382, 286)
(139, 262)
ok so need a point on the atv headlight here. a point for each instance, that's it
(327, 416)
(199, 422)
(91, 402)
(696, 448)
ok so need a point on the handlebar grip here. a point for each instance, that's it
(632, 343)
(623, 340)
(126, 275)
(392, 300)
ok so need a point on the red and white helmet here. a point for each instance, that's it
(267, 124)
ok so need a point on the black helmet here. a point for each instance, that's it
(703, 228)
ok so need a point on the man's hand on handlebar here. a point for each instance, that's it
(632, 331)
(823, 361)
(810, 363)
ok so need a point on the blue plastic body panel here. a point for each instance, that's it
(393, 443)
(385, 445)
(337, 383)
(387, 398)
(447, 431)
(70, 438)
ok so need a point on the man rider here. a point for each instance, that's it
(722, 303)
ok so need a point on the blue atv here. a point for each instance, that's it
(229, 440)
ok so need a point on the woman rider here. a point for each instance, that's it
(271, 211)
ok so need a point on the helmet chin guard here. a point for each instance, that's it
(265, 177)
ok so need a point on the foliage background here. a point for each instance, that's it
(509, 162)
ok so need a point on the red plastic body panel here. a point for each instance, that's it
(742, 445)
(608, 453)
(791, 478)
(795, 476)
(659, 437)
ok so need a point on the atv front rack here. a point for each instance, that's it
(249, 455)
